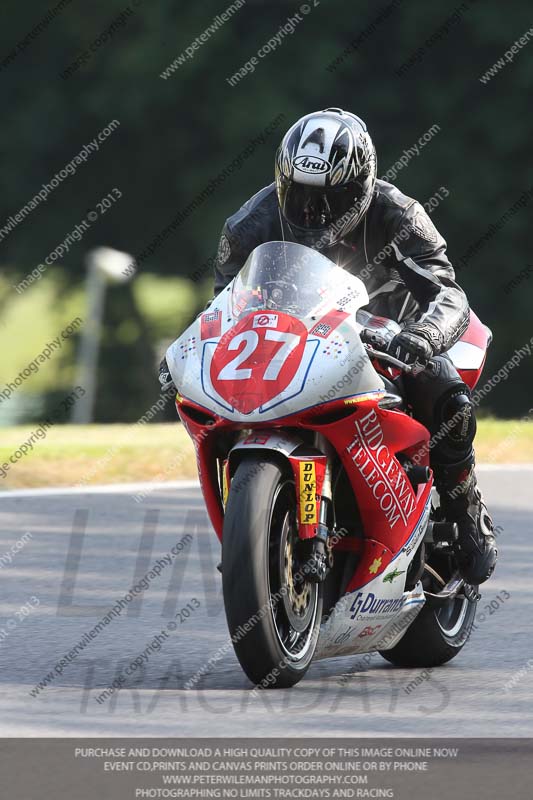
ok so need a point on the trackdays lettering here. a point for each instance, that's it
(381, 471)
(373, 605)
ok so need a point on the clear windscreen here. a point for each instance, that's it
(288, 277)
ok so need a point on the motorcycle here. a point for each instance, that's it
(301, 433)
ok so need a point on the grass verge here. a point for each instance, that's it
(95, 454)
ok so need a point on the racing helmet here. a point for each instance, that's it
(325, 175)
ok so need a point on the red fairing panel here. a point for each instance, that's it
(203, 438)
(476, 333)
(368, 443)
(469, 353)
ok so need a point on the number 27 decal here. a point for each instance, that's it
(232, 371)
(251, 365)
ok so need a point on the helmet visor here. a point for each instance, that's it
(316, 208)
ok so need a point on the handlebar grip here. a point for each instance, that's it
(408, 368)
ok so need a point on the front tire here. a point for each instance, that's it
(273, 615)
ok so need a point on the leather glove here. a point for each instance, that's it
(411, 346)
(165, 378)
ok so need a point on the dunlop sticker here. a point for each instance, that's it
(308, 504)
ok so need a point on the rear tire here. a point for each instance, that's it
(274, 643)
(438, 633)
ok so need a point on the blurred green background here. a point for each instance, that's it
(175, 135)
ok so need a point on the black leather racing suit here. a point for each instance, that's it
(401, 257)
(396, 249)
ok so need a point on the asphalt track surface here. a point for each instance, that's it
(76, 577)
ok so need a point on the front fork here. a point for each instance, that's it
(326, 504)
(314, 494)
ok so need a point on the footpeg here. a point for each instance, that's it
(471, 593)
(448, 591)
(417, 474)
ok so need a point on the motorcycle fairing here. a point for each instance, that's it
(352, 627)
(332, 363)
(372, 442)
(470, 352)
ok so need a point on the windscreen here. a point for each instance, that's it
(288, 277)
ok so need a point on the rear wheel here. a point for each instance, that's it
(439, 632)
(273, 614)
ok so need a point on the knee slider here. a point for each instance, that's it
(458, 420)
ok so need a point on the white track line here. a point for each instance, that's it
(504, 467)
(127, 488)
(110, 488)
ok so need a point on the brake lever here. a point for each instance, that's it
(411, 369)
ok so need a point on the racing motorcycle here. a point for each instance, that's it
(302, 435)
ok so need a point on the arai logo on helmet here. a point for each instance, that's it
(313, 164)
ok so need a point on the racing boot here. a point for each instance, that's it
(462, 502)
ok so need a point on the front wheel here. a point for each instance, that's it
(273, 613)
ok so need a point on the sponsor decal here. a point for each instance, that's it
(392, 575)
(322, 329)
(308, 478)
(351, 294)
(419, 531)
(253, 364)
(312, 164)
(224, 250)
(257, 438)
(211, 324)
(369, 631)
(381, 471)
(266, 321)
(362, 398)
(423, 227)
(370, 604)
(335, 347)
(375, 565)
(308, 504)
(328, 323)
(343, 637)
(188, 346)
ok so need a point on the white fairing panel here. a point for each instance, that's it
(465, 355)
(345, 634)
(333, 363)
(377, 615)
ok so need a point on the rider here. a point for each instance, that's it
(326, 196)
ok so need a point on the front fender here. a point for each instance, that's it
(307, 464)
(283, 443)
